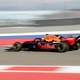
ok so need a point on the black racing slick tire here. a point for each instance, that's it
(62, 47)
(76, 46)
(17, 46)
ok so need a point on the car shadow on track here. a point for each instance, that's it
(54, 51)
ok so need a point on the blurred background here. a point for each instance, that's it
(39, 12)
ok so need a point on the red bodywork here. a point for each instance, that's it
(46, 45)
(70, 40)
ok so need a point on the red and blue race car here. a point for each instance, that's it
(65, 44)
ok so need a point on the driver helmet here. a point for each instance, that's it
(46, 34)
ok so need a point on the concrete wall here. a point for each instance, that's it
(49, 22)
(57, 22)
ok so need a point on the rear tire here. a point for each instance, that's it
(62, 47)
(76, 46)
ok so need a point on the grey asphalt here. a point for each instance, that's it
(39, 29)
(39, 58)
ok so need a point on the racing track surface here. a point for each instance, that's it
(39, 58)
(39, 29)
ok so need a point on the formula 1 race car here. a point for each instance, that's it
(66, 43)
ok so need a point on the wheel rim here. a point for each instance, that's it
(17, 46)
(78, 44)
(61, 47)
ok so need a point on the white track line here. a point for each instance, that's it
(40, 71)
(41, 33)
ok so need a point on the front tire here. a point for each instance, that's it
(17, 46)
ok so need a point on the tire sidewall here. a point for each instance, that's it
(76, 46)
(64, 45)
(17, 46)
